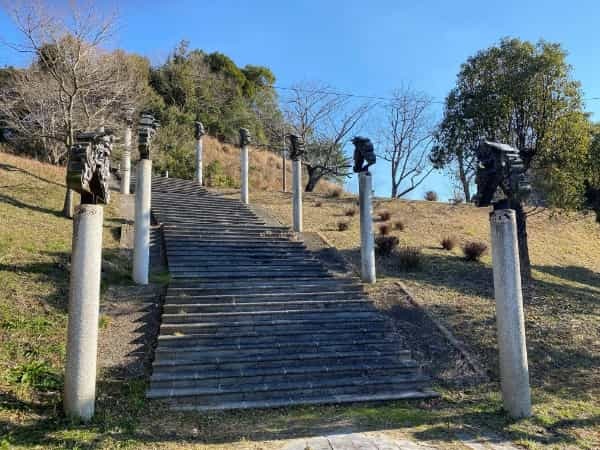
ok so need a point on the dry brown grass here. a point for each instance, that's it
(561, 319)
(265, 167)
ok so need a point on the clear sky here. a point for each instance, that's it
(363, 47)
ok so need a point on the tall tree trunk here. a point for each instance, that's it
(463, 179)
(68, 207)
(313, 178)
(524, 260)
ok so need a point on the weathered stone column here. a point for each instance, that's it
(89, 160)
(126, 160)
(367, 240)
(143, 199)
(199, 134)
(284, 169)
(84, 306)
(514, 372)
(297, 187)
(244, 141)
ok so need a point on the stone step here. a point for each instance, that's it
(266, 327)
(231, 228)
(209, 265)
(280, 341)
(258, 338)
(228, 379)
(236, 274)
(279, 360)
(257, 317)
(215, 356)
(245, 260)
(315, 386)
(322, 398)
(197, 308)
(279, 290)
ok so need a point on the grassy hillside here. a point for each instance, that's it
(222, 167)
(562, 325)
(562, 317)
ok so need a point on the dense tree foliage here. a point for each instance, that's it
(522, 94)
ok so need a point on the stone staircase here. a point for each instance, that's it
(252, 319)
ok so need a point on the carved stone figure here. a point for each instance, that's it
(88, 171)
(245, 137)
(199, 130)
(146, 130)
(500, 167)
(296, 147)
(363, 153)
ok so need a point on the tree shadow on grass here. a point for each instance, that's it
(11, 168)
(19, 204)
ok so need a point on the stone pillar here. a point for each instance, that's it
(244, 174)
(84, 304)
(198, 176)
(284, 173)
(297, 194)
(367, 240)
(141, 248)
(514, 372)
(126, 162)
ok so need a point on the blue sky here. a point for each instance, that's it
(364, 47)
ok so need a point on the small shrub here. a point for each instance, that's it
(473, 251)
(448, 242)
(399, 225)
(342, 225)
(409, 258)
(431, 196)
(384, 229)
(216, 177)
(334, 193)
(350, 212)
(36, 374)
(384, 215)
(318, 204)
(385, 245)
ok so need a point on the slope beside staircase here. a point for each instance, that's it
(252, 319)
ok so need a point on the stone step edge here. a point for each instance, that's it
(254, 388)
(322, 400)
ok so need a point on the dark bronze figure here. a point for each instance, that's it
(296, 147)
(245, 138)
(500, 167)
(146, 130)
(363, 153)
(199, 130)
(88, 170)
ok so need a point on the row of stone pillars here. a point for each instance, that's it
(84, 293)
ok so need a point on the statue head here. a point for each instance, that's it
(296, 146)
(245, 137)
(199, 130)
(363, 153)
(500, 167)
(146, 130)
(88, 171)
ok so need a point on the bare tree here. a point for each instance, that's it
(325, 120)
(68, 51)
(407, 140)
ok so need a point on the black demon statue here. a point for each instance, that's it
(245, 138)
(296, 147)
(500, 168)
(147, 127)
(88, 171)
(364, 154)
